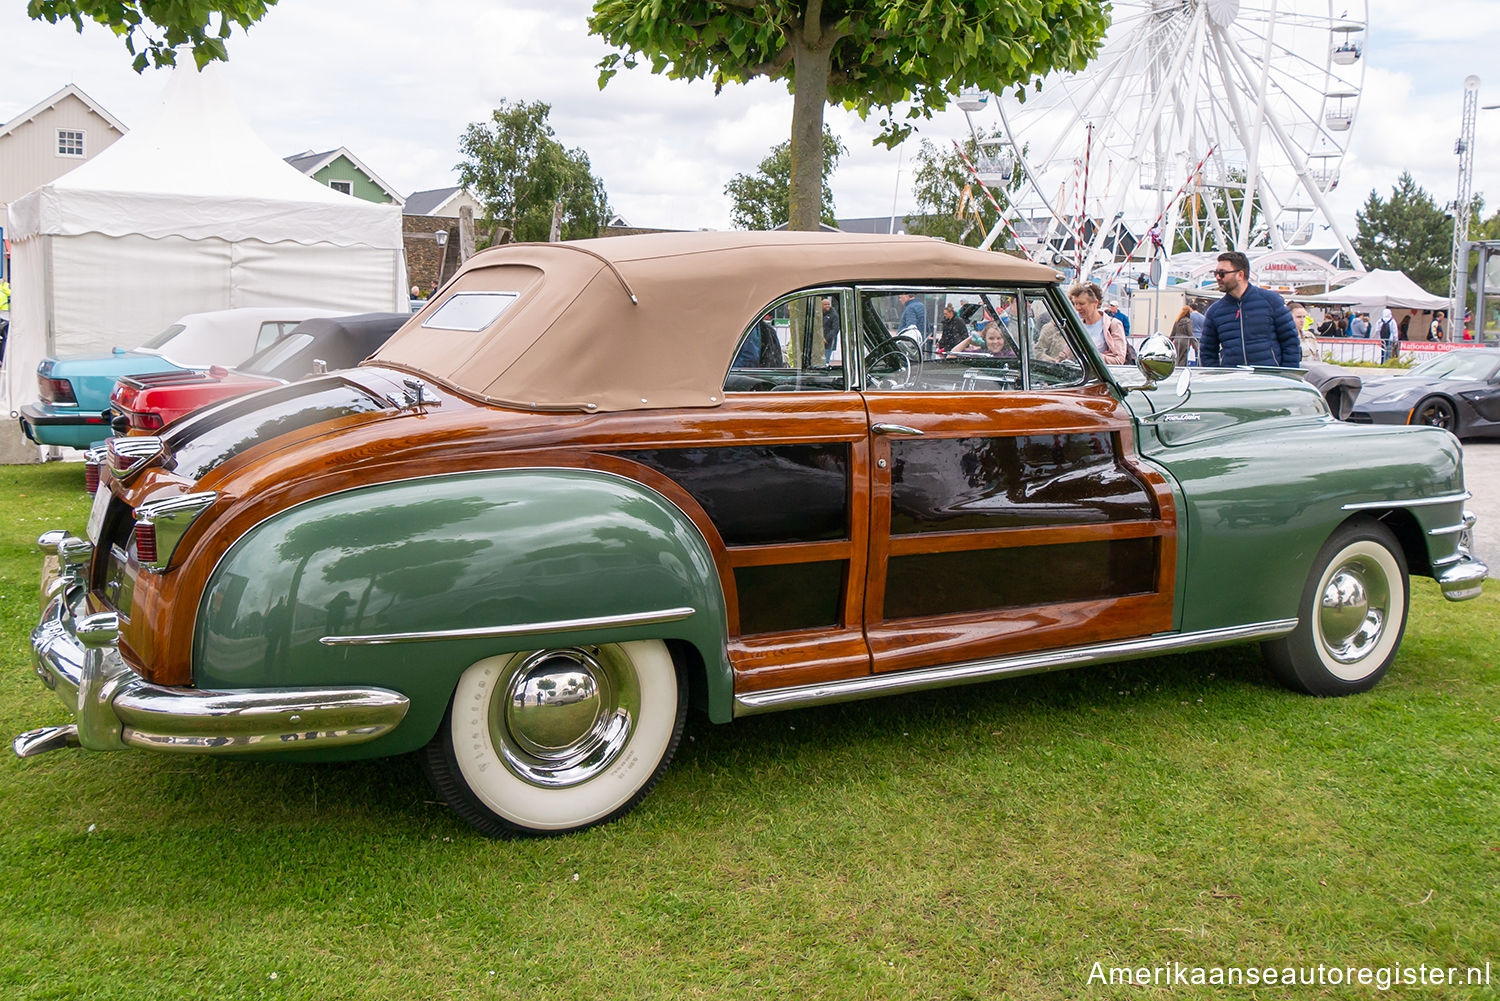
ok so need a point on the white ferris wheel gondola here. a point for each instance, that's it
(1221, 123)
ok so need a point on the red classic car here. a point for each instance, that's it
(145, 403)
(149, 402)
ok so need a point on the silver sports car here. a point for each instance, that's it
(1458, 390)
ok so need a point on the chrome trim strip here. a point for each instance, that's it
(869, 686)
(1447, 530)
(1413, 502)
(522, 629)
(1447, 560)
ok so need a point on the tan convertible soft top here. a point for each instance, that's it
(644, 322)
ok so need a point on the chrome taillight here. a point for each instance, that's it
(160, 526)
(145, 544)
(126, 455)
(146, 421)
(92, 460)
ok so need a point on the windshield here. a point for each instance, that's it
(1457, 365)
(161, 339)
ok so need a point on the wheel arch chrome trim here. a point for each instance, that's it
(969, 672)
(626, 621)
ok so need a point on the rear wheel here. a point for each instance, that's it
(1351, 617)
(550, 741)
(1435, 412)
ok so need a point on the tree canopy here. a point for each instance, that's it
(762, 200)
(154, 30)
(870, 56)
(519, 171)
(1407, 232)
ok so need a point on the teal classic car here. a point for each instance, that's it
(73, 392)
(552, 514)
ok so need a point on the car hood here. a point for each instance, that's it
(1194, 404)
(1407, 387)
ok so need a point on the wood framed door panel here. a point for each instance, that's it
(1014, 521)
(785, 479)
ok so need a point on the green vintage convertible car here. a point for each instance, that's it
(593, 484)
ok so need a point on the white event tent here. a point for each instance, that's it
(1381, 290)
(188, 214)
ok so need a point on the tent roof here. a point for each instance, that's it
(199, 172)
(1381, 290)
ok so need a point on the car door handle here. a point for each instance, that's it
(895, 429)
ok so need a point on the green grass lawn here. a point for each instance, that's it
(982, 842)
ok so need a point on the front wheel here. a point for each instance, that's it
(550, 741)
(1351, 617)
(1435, 412)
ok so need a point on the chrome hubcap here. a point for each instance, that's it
(564, 715)
(1353, 610)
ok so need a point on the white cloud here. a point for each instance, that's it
(396, 82)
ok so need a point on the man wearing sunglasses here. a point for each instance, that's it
(1248, 325)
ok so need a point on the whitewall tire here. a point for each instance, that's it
(1351, 617)
(550, 741)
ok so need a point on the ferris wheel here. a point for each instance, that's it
(1219, 124)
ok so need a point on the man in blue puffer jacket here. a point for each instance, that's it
(1249, 325)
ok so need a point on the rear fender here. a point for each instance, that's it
(403, 585)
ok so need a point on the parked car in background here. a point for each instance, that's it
(141, 404)
(552, 513)
(74, 392)
(144, 403)
(1457, 391)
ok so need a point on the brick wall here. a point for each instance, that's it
(426, 262)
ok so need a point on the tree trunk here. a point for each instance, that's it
(810, 68)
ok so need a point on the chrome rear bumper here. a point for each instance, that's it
(117, 708)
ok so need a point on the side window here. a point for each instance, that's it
(972, 339)
(795, 345)
(1054, 360)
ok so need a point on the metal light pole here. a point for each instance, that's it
(1462, 208)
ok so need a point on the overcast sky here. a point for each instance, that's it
(396, 81)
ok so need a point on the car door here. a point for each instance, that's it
(780, 472)
(1007, 511)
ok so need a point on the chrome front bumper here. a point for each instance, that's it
(117, 708)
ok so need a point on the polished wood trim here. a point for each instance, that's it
(461, 437)
(778, 659)
(1004, 538)
(902, 644)
(794, 552)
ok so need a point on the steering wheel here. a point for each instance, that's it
(893, 366)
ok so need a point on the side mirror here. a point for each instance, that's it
(320, 367)
(1157, 357)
